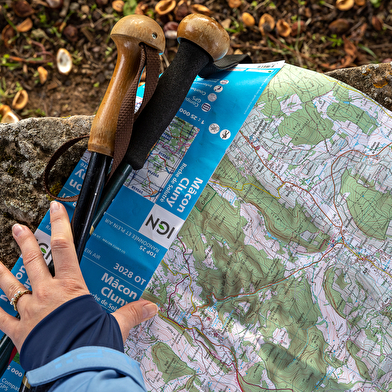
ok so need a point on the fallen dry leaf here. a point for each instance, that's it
(351, 53)
(377, 23)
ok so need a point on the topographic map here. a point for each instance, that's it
(165, 158)
(280, 279)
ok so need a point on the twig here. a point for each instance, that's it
(165, 60)
(29, 60)
(329, 6)
(380, 46)
(44, 52)
(64, 10)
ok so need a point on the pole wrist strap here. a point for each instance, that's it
(151, 62)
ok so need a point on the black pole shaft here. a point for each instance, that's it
(89, 196)
(6, 349)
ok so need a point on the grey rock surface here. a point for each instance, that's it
(375, 80)
(25, 149)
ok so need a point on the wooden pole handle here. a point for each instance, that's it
(206, 33)
(127, 34)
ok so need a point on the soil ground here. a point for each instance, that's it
(322, 38)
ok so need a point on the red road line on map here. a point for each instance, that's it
(332, 176)
(175, 290)
(163, 159)
(334, 195)
(235, 364)
(269, 284)
(262, 388)
(286, 182)
(149, 185)
(363, 258)
(255, 292)
(197, 308)
(362, 349)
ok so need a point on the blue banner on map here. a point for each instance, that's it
(146, 215)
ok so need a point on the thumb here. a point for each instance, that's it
(133, 314)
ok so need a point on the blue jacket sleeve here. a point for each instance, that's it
(98, 369)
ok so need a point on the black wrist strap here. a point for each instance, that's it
(43, 387)
(224, 64)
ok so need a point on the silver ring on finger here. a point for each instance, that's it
(16, 297)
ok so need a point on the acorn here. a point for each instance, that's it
(9, 117)
(234, 3)
(20, 100)
(266, 24)
(344, 5)
(22, 8)
(7, 34)
(43, 74)
(283, 28)
(248, 19)
(118, 6)
(201, 9)
(71, 32)
(24, 26)
(164, 7)
(298, 27)
(64, 61)
(170, 30)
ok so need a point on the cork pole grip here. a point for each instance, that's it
(127, 34)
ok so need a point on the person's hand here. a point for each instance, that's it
(48, 292)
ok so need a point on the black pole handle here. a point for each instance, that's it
(168, 97)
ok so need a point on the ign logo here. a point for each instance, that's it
(161, 226)
(46, 251)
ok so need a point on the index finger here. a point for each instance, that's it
(35, 265)
(65, 260)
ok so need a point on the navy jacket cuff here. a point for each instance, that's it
(77, 323)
